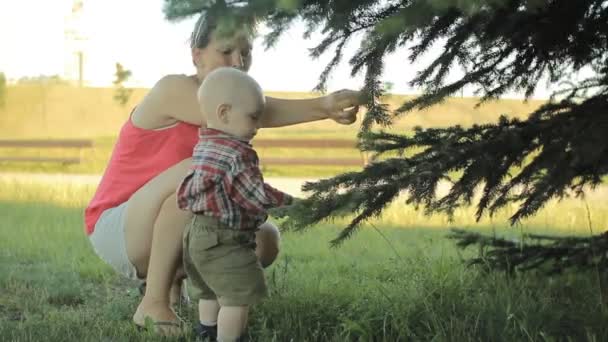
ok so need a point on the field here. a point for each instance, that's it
(57, 111)
(398, 279)
(402, 282)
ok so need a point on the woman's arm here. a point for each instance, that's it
(285, 112)
(172, 99)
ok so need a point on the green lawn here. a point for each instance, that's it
(53, 288)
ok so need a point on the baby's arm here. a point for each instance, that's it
(250, 191)
(279, 198)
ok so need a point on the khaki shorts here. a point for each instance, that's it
(221, 263)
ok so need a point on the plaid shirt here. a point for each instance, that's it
(225, 182)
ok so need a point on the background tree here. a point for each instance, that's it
(121, 94)
(388, 87)
(503, 45)
(41, 80)
(2, 90)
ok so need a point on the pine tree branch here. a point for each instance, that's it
(561, 148)
(180, 9)
(532, 251)
(506, 45)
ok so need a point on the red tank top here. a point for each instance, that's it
(139, 155)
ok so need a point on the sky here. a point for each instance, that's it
(135, 34)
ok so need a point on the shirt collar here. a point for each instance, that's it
(212, 133)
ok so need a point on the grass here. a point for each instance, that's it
(53, 287)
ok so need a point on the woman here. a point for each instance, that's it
(133, 220)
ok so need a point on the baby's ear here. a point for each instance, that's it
(222, 112)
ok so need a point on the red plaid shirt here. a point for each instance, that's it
(225, 182)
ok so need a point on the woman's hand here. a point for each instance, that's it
(342, 106)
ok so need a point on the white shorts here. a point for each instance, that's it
(108, 240)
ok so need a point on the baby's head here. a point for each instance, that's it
(231, 101)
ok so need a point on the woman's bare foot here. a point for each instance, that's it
(179, 294)
(158, 316)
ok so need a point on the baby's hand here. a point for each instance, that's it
(283, 211)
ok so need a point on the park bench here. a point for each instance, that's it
(310, 144)
(42, 145)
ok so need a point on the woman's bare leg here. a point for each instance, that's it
(153, 231)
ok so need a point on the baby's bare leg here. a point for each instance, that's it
(231, 324)
(208, 311)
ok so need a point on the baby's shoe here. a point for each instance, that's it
(205, 333)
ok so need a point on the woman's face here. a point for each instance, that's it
(232, 51)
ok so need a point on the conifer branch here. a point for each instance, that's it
(504, 46)
(552, 254)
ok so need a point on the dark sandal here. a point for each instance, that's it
(204, 333)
